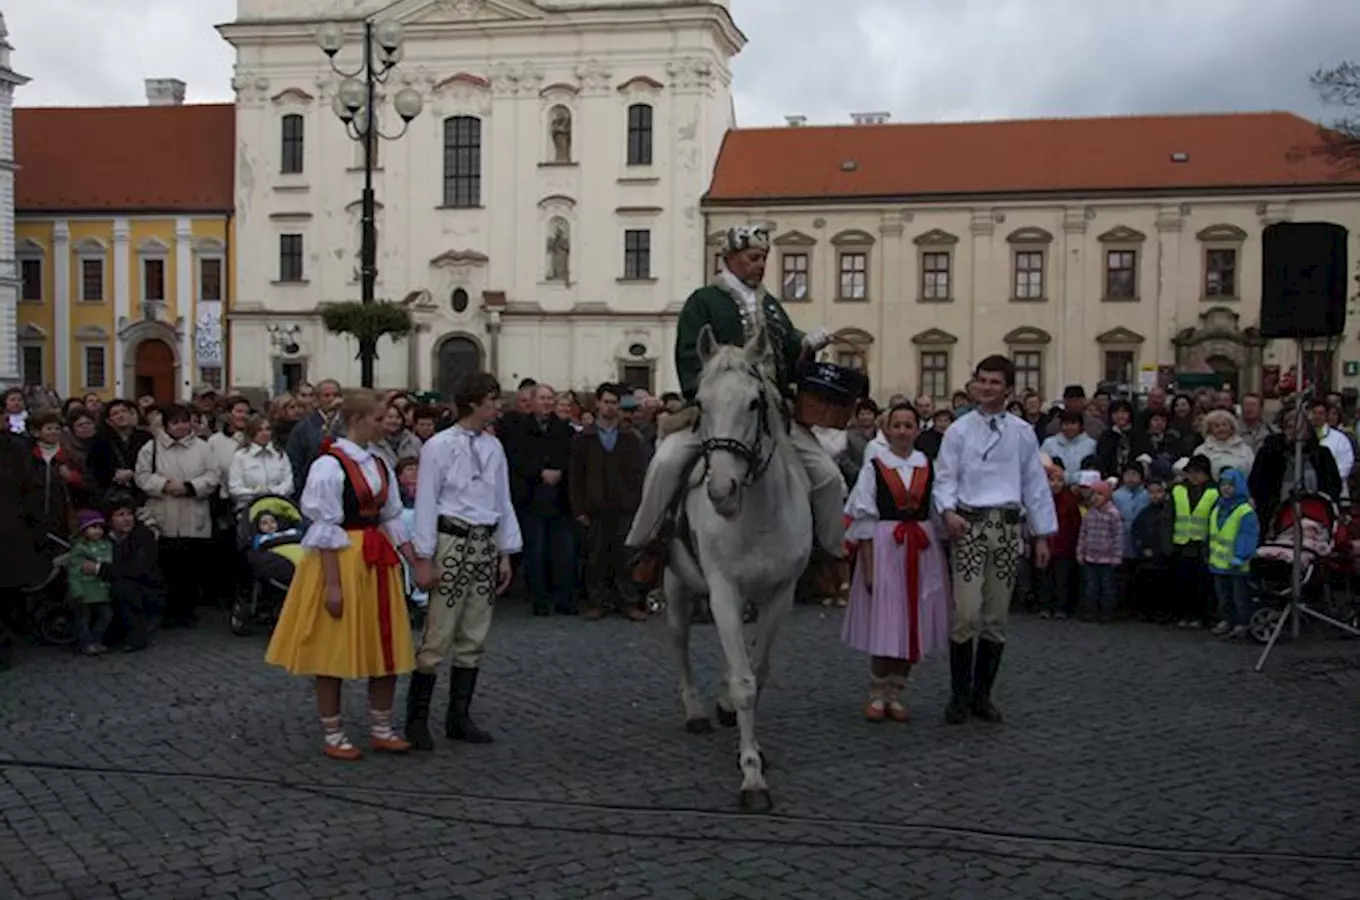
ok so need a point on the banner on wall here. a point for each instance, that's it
(208, 349)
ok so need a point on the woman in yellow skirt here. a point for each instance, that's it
(345, 615)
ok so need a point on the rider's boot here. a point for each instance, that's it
(647, 565)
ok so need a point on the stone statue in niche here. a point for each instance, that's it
(559, 254)
(560, 130)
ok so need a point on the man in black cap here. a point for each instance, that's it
(1074, 401)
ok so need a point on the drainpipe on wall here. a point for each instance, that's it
(228, 298)
(704, 273)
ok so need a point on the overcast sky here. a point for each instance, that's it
(922, 60)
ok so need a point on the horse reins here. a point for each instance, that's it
(757, 454)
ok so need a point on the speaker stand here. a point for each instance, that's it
(1295, 609)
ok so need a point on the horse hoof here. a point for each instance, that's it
(699, 726)
(727, 718)
(756, 801)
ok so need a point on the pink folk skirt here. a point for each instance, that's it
(889, 622)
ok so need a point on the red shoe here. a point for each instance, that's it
(897, 712)
(393, 744)
(346, 751)
(876, 710)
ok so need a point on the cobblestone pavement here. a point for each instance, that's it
(1134, 763)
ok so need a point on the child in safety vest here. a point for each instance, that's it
(1234, 532)
(1192, 502)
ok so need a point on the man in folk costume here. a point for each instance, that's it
(989, 475)
(734, 306)
(465, 534)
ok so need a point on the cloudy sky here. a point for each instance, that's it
(922, 60)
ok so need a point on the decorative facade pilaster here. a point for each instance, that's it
(61, 308)
(122, 300)
(10, 369)
(186, 319)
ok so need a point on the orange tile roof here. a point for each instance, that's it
(125, 159)
(1035, 156)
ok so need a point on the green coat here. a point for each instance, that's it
(713, 305)
(88, 589)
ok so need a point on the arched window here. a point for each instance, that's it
(463, 162)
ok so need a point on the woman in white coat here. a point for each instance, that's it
(175, 470)
(1223, 446)
(259, 467)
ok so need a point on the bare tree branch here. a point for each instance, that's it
(1340, 86)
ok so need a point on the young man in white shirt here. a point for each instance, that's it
(988, 478)
(465, 534)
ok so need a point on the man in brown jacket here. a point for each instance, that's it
(608, 464)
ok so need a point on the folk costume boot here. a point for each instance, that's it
(988, 663)
(460, 726)
(960, 682)
(419, 692)
(381, 735)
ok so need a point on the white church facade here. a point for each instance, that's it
(540, 216)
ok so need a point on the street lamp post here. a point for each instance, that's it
(356, 104)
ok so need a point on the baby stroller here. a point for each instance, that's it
(1272, 566)
(50, 616)
(271, 558)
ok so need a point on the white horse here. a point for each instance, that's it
(751, 535)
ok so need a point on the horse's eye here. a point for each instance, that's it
(754, 405)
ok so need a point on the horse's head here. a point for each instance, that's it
(735, 403)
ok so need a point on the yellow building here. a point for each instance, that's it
(123, 237)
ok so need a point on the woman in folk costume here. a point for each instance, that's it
(899, 598)
(345, 615)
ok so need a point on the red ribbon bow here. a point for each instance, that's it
(916, 540)
(381, 556)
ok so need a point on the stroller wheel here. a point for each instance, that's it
(1263, 623)
(54, 624)
(240, 617)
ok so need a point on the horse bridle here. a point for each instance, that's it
(759, 453)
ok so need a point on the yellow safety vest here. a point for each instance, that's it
(1223, 537)
(1191, 525)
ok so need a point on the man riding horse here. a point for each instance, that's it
(734, 306)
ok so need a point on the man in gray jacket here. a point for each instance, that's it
(304, 444)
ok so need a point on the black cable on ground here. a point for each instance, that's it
(1071, 843)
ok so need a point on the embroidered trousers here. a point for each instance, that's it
(985, 561)
(458, 617)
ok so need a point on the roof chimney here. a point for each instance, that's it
(164, 92)
(796, 121)
(869, 118)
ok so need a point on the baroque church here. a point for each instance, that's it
(540, 216)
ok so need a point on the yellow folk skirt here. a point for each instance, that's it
(372, 637)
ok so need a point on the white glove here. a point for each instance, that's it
(817, 339)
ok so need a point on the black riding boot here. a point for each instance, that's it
(988, 662)
(418, 694)
(460, 726)
(960, 682)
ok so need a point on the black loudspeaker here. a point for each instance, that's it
(1303, 280)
